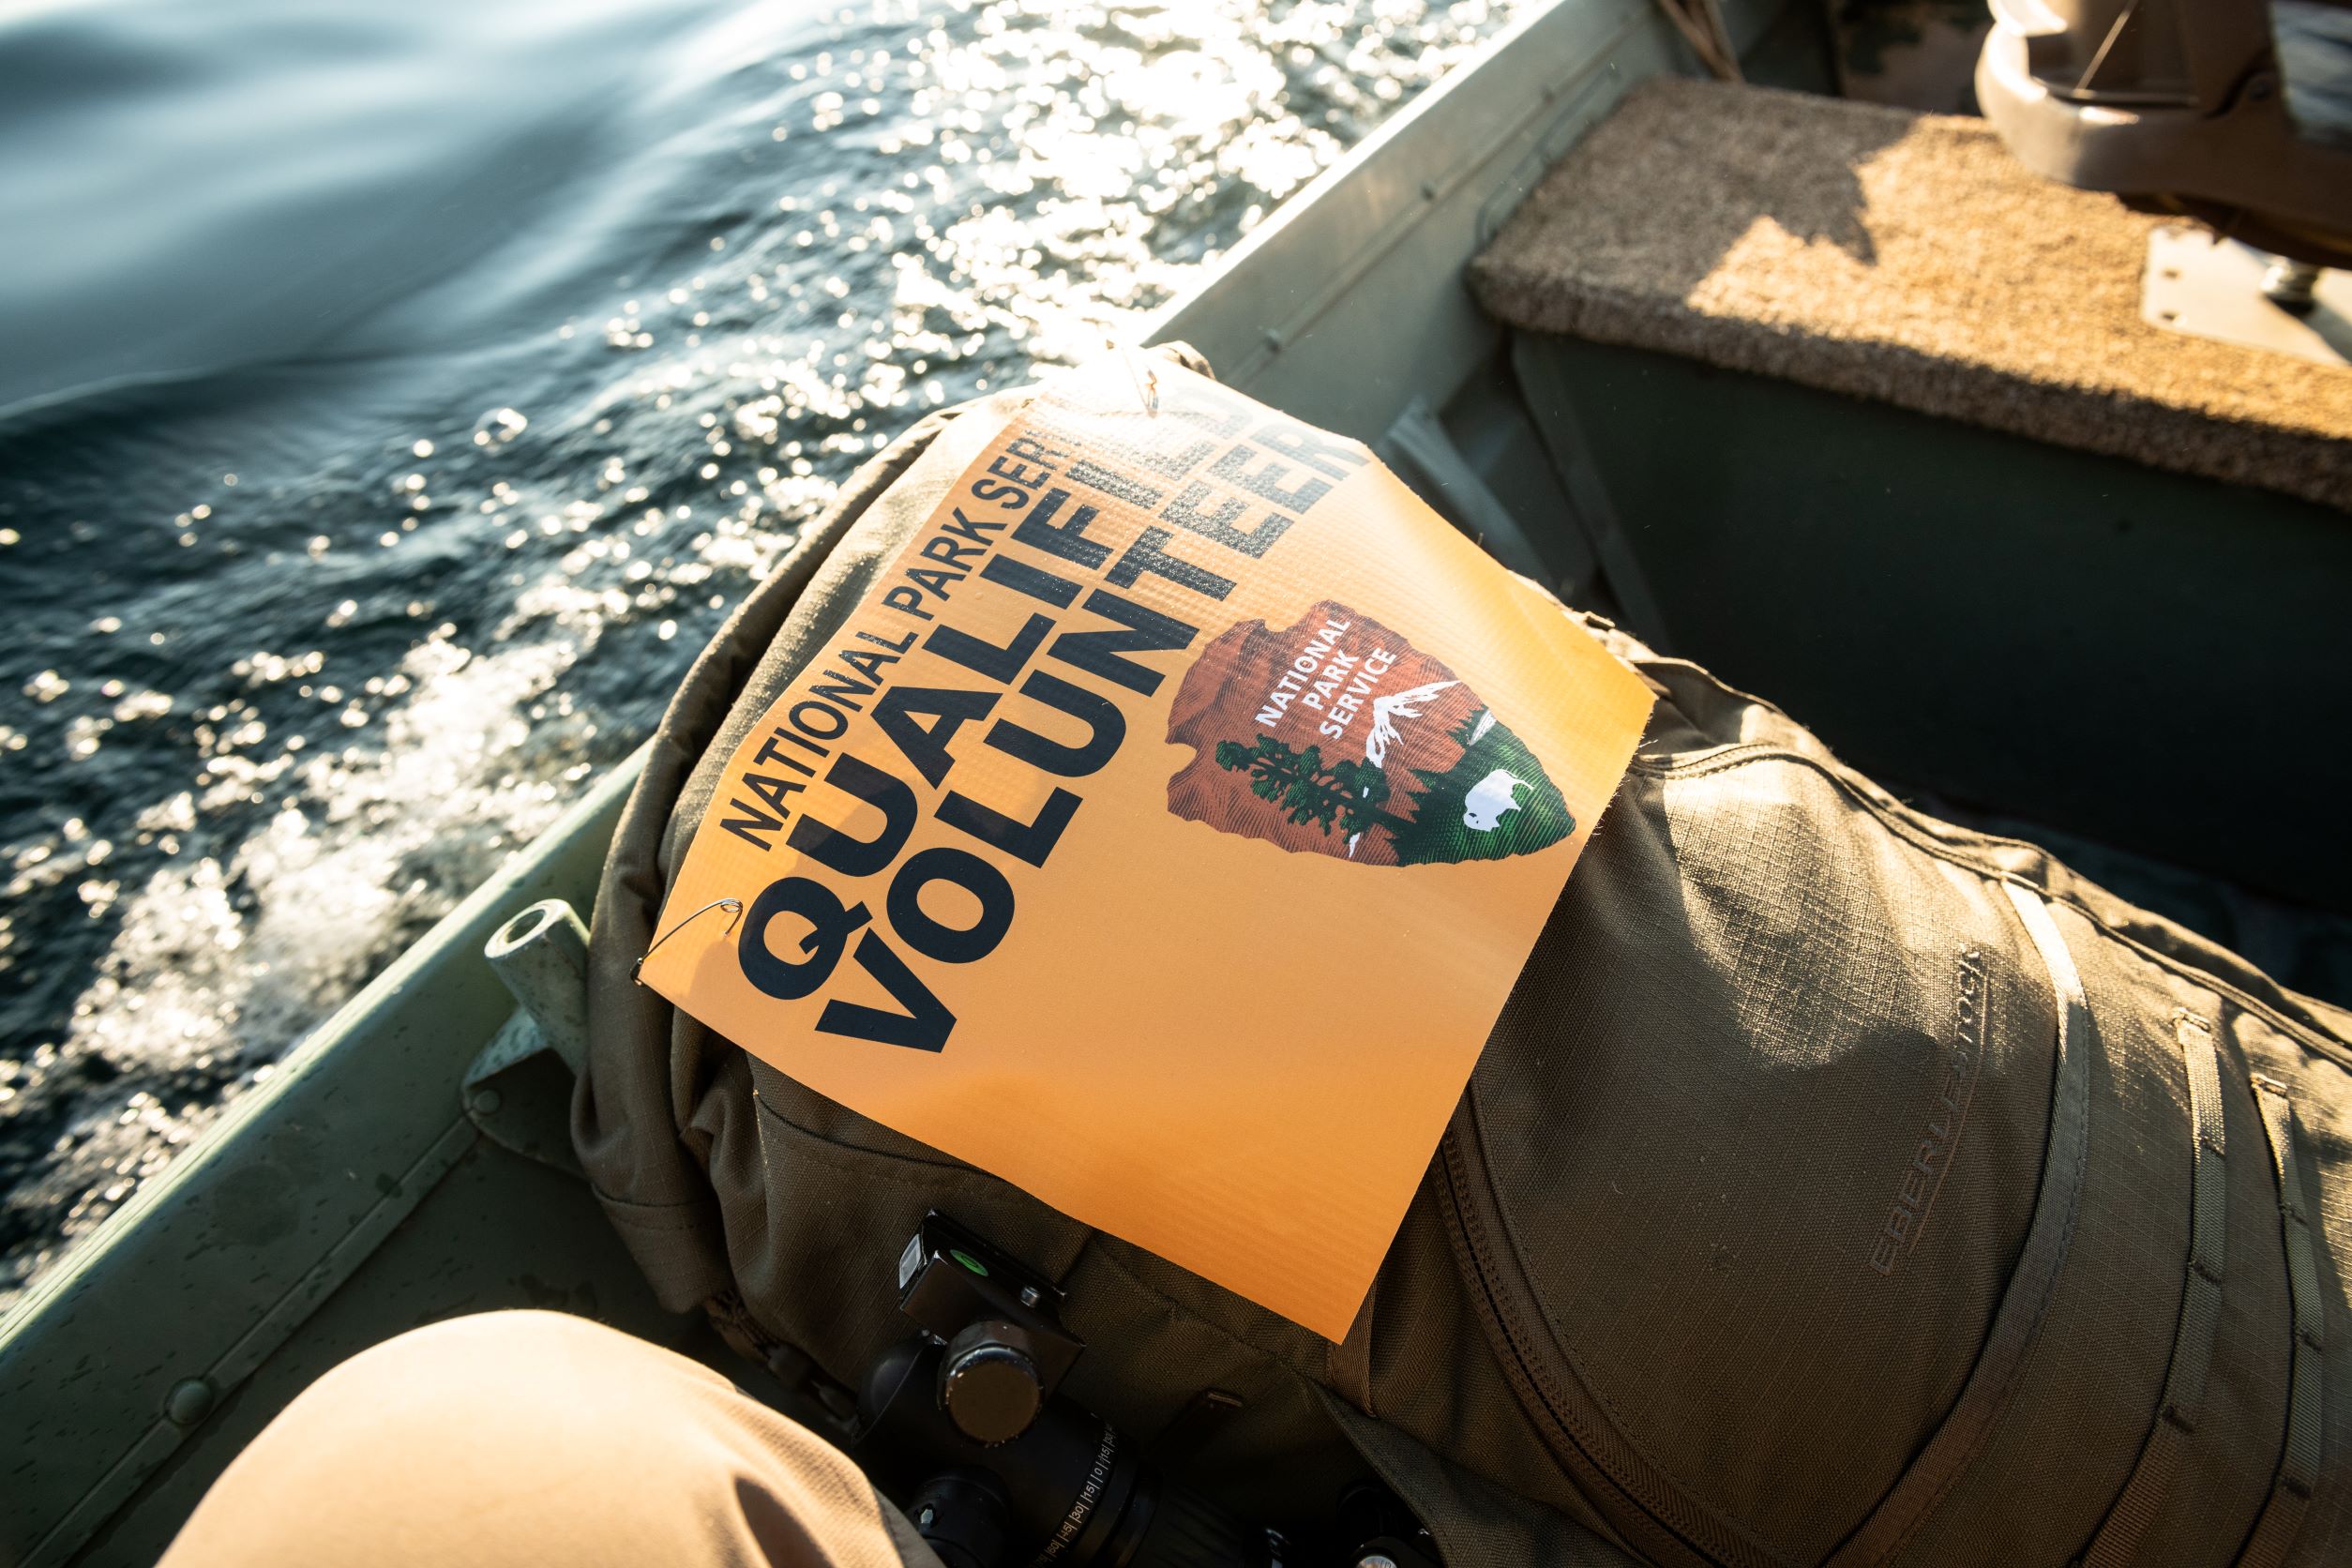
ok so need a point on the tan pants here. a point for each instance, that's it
(530, 1438)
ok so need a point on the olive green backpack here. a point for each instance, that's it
(1838, 1186)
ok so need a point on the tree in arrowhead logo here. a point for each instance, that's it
(1337, 736)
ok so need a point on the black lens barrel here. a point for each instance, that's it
(1073, 1490)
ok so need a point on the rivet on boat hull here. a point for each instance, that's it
(190, 1401)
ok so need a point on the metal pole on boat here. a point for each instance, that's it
(541, 956)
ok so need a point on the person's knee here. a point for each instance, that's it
(512, 1360)
(519, 1332)
(527, 1437)
(439, 1435)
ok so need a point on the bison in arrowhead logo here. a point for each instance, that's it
(1337, 736)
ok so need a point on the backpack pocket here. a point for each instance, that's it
(1744, 1177)
(816, 1232)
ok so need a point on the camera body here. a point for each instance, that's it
(1003, 1349)
(965, 1423)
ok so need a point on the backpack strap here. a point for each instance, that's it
(1970, 1426)
(2199, 1326)
(2299, 1456)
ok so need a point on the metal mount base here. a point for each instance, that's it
(2209, 287)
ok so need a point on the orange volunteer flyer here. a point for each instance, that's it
(1162, 832)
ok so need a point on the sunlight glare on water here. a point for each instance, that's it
(415, 394)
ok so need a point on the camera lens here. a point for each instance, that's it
(1184, 1529)
(1073, 1491)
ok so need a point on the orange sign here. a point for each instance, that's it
(1162, 832)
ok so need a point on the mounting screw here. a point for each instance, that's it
(2290, 284)
(190, 1401)
(483, 1102)
(1378, 1559)
(1273, 340)
(1031, 1295)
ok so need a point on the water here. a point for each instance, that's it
(392, 401)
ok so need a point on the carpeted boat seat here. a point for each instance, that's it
(1901, 257)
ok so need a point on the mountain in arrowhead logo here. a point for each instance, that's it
(1337, 736)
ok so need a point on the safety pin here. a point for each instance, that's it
(1147, 383)
(734, 912)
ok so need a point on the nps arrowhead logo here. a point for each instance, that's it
(1337, 736)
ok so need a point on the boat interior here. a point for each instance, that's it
(1835, 397)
